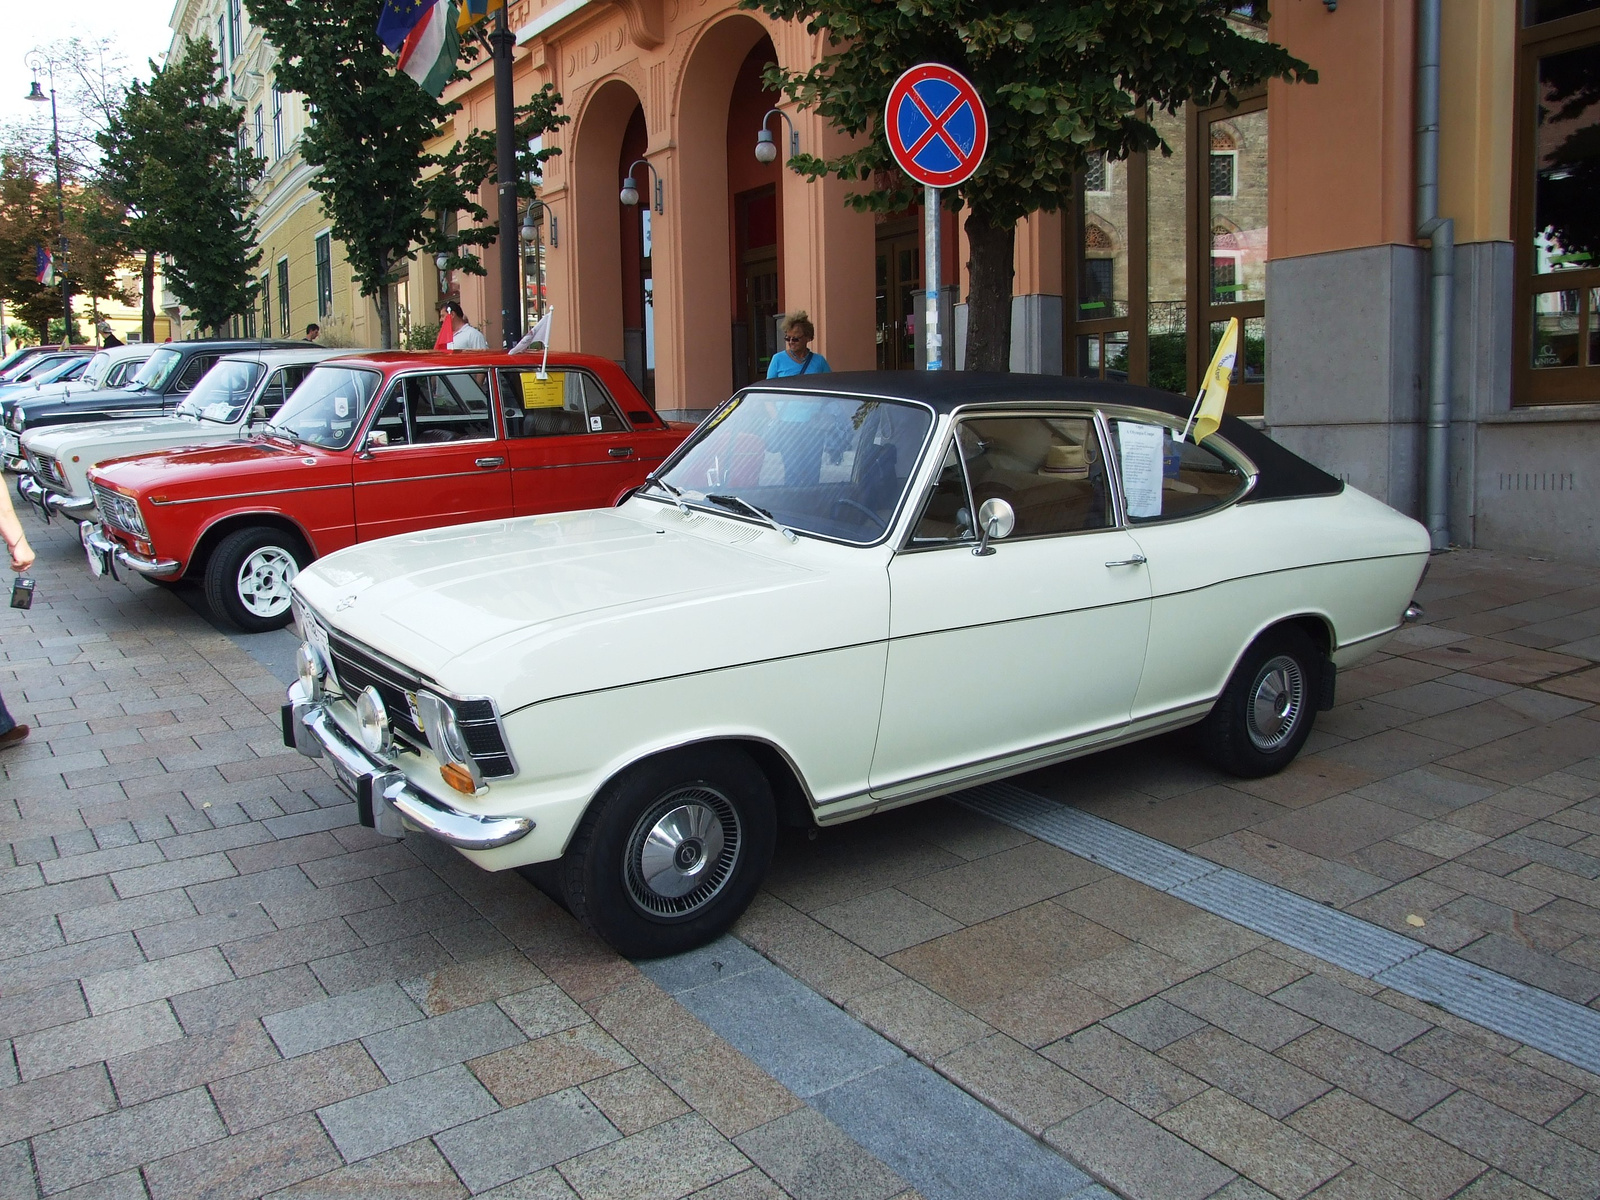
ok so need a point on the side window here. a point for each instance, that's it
(1163, 479)
(450, 408)
(391, 427)
(563, 404)
(947, 517)
(191, 373)
(283, 382)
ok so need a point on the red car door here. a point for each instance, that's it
(570, 445)
(431, 457)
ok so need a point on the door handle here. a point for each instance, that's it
(489, 462)
(620, 451)
(1138, 560)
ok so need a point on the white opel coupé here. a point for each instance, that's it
(841, 594)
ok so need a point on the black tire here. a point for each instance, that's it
(266, 605)
(1266, 712)
(715, 809)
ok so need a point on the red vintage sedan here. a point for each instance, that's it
(368, 446)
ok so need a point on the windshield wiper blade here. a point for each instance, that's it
(677, 496)
(287, 435)
(728, 501)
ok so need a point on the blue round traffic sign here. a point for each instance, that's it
(936, 125)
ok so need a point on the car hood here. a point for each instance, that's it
(123, 438)
(538, 607)
(37, 407)
(250, 466)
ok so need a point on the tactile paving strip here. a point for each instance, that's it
(1537, 1018)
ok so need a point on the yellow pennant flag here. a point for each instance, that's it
(1207, 415)
(474, 11)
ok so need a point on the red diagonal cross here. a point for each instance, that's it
(935, 125)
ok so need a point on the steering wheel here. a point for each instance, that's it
(846, 502)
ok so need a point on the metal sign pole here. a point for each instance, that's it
(933, 335)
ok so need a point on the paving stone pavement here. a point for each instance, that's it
(214, 983)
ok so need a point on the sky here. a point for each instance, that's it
(138, 27)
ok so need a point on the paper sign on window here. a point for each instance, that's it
(543, 393)
(1142, 451)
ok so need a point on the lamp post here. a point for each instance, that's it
(630, 190)
(34, 61)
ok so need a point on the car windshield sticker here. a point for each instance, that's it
(1142, 451)
(341, 406)
(544, 393)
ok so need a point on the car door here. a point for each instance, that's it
(1036, 642)
(432, 457)
(570, 446)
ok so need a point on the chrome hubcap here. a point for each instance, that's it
(264, 581)
(1276, 701)
(682, 851)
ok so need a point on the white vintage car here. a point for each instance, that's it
(240, 390)
(799, 619)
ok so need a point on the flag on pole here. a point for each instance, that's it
(429, 52)
(45, 266)
(540, 333)
(398, 19)
(1206, 415)
(475, 11)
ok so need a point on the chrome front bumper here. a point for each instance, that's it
(386, 800)
(95, 541)
(34, 492)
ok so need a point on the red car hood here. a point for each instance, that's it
(222, 468)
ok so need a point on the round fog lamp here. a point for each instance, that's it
(372, 721)
(310, 669)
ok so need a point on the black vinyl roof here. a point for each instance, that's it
(1284, 474)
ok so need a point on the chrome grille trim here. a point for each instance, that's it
(118, 510)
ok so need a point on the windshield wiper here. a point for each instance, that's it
(728, 501)
(677, 496)
(288, 435)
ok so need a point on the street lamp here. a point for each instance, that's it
(630, 190)
(766, 148)
(35, 61)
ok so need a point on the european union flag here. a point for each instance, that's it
(399, 18)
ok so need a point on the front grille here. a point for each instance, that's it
(357, 669)
(50, 470)
(118, 510)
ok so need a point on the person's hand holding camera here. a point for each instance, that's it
(21, 554)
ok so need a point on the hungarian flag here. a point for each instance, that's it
(423, 32)
(45, 266)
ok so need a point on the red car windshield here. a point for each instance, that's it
(328, 407)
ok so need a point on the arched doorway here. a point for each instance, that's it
(755, 219)
(606, 245)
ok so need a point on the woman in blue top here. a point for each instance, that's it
(797, 357)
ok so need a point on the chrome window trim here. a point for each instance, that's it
(411, 373)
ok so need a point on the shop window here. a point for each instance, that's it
(1557, 218)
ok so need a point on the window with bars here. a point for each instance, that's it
(1224, 173)
(1097, 175)
(324, 275)
(283, 296)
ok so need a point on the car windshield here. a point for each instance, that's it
(328, 406)
(158, 368)
(834, 466)
(97, 370)
(223, 393)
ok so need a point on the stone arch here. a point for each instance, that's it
(596, 216)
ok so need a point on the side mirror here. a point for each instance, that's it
(996, 519)
(375, 437)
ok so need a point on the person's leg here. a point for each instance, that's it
(7, 723)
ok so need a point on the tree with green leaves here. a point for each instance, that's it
(388, 197)
(27, 221)
(1060, 79)
(172, 159)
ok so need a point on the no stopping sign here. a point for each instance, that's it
(936, 125)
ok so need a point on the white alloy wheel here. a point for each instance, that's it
(264, 579)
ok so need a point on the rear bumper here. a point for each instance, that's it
(95, 541)
(76, 507)
(386, 800)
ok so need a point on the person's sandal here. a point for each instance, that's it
(14, 736)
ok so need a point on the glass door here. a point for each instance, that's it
(899, 274)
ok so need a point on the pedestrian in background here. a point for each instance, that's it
(313, 332)
(797, 358)
(468, 336)
(447, 327)
(108, 338)
(21, 559)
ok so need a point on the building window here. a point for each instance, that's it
(277, 122)
(1097, 176)
(222, 44)
(261, 134)
(1557, 205)
(235, 27)
(324, 275)
(283, 296)
(1170, 248)
(266, 306)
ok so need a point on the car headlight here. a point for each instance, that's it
(311, 668)
(372, 722)
(456, 766)
(18, 420)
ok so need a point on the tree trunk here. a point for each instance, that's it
(147, 317)
(385, 333)
(989, 298)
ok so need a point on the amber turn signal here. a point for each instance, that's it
(458, 777)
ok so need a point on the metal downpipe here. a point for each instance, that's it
(1439, 232)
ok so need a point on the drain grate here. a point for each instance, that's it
(1537, 1018)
